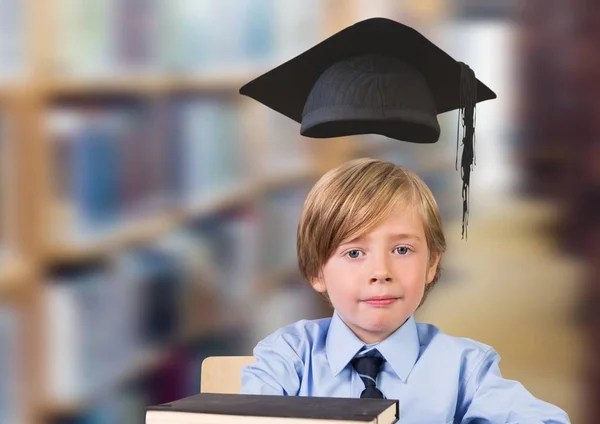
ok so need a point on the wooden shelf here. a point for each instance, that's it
(14, 276)
(135, 234)
(145, 85)
(221, 201)
(140, 85)
(248, 191)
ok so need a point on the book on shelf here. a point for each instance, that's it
(212, 158)
(234, 408)
(100, 167)
(115, 163)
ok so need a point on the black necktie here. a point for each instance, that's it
(367, 368)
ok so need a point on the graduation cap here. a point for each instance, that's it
(377, 76)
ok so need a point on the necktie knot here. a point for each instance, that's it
(368, 368)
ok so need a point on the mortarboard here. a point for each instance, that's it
(377, 76)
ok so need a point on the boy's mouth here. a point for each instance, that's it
(381, 300)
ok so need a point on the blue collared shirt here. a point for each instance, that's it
(436, 377)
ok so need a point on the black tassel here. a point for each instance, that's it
(467, 118)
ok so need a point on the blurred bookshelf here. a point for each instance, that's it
(150, 213)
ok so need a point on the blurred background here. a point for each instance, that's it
(148, 212)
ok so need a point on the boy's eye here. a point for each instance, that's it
(353, 254)
(402, 250)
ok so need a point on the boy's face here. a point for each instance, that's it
(377, 281)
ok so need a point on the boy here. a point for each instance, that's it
(370, 239)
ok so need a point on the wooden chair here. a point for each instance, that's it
(222, 374)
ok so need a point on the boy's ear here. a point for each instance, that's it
(319, 285)
(432, 269)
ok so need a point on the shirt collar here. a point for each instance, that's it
(400, 349)
(341, 344)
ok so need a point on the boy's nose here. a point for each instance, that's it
(380, 268)
(382, 276)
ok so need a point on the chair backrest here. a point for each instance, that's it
(223, 374)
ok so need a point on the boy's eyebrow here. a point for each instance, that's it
(399, 236)
(354, 240)
(404, 236)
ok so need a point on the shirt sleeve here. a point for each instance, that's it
(490, 398)
(277, 370)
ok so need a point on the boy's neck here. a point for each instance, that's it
(370, 338)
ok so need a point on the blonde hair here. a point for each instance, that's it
(350, 200)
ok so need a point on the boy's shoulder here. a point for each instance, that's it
(433, 340)
(303, 332)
